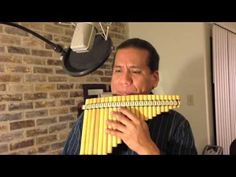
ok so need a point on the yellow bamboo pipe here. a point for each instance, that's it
(85, 125)
(105, 146)
(109, 137)
(96, 131)
(95, 140)
(101, 130)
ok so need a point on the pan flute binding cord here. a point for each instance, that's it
(95, 140)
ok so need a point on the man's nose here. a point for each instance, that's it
(126, 78)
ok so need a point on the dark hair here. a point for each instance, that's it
(154, 58)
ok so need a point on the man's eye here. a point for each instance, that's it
(136, 72)
(117, 70)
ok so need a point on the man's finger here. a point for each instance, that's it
(115, 133)
(121, 118)
(128, 114)
(116, 125)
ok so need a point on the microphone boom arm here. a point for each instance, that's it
(56, 47)
(78, 63)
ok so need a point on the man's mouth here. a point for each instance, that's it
(125, 93)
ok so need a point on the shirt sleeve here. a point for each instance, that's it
(72, 145)
(182, 142)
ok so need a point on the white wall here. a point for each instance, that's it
(184, 50)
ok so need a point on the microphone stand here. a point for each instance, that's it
(56, 47)
(74, 63)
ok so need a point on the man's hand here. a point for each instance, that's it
(133, 131)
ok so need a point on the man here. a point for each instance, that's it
(135, 71)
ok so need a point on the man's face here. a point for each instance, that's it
(131, 74)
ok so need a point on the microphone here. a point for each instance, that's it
(83, 37)
(88, 50)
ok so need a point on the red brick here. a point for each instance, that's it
(36, 113)
(10, 78)
(58, 111)
(62, 39)
(43, 70)
(43, 104)
(3, 148)
(10, 58)
(32, 42)
(7, 39)
(18, 50)
(63, 135)
(15, 31)
(57, 79)
(58, 127)
(17, 69)
(2, 107)
(20, 106)
(64, 86)
(67, 102)
(57, 145)
(93, 79)
(46, 121)
(69, 32)
(21, 144)
(33, 60)
(54, 62)
(35, 78)
(105, 79)
(59, 95)
(11, 97)
(108, 73)
(44, 148)
(105, 66)
(2, 68)
(20, 87)
(74, 109)
(66, 118)
(36, 132)
(46, 139)
(11, 116)
(35, 96)
(4, 127)
(2, 49)
(2, 87)
(76, 94)
(26, 151)
(97, 72)
(45, 87)
(57, 152)
(42, 53)
(7, 137)
(53, 29)
(22, 124)
(33, 25)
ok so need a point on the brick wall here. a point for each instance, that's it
(38, 101)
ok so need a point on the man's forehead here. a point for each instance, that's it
(131, 62)
(134, 52)
(130, 66)
(131, 57)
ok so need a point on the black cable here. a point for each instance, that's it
(55, 47)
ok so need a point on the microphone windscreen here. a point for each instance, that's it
(80, 64)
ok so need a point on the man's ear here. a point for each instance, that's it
(155, 78)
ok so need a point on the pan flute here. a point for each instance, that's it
(95, 140)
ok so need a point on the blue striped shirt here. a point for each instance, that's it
(170, 131)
